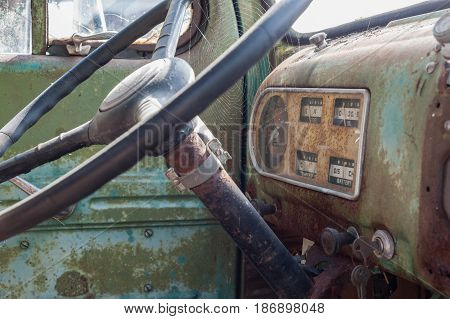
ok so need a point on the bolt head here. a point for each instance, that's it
(148, 233)
(319, 40)
(148, 287)
(24, 244)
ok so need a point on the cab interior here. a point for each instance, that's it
(329, 150)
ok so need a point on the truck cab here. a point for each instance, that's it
(224, 149)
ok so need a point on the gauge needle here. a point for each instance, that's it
(274, 135)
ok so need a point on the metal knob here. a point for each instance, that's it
(332, 240)
(319, 40)
(441, 30)
(384, 244)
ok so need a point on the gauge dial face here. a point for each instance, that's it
(313, 138)
(273, 133)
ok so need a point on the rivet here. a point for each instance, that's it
(24, 244)
(148, 233)
(447, 126)
(431, 67)
(148, 287)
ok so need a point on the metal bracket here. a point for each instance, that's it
(78, 47)
(215, 147)
(198, 176)
(212, 143)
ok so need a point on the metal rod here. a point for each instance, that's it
(30, 189)
(49, 151)
(24, 186)
(242, 222)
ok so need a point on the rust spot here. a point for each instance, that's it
(434, 225)
(72, 284)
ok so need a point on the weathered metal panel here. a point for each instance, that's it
(392, 63)
(39, 26)
(119, 261)
(103, 238)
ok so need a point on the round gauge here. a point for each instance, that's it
(272, 134)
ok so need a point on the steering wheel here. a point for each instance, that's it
(147, 114)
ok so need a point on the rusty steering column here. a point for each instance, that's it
(237, 215)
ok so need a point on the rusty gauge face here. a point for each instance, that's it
(273, 133)
(313, 138)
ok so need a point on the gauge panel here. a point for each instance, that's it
(313, 138)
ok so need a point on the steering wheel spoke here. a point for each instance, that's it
(49, 151)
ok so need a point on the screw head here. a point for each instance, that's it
(24, 244)
(148, 233)
(148, 287)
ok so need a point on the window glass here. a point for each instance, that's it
(15, 26)
(323, 14)
(88, 17)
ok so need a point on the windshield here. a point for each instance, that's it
(88, 17)
(15, 27)
(323, 14)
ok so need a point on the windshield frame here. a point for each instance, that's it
(295, 38)
(140, 48)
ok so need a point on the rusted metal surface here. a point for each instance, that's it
(334, 277)
(242, 222)
(30, 189)
(39, 26)
(434, 223)
(117, 262)
(333, 281)
(391, 63)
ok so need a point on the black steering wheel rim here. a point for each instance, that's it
(131, 147)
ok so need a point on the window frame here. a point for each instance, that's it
(41, 43)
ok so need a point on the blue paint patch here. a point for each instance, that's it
(130, 236)
(393, 126)
(22, 67)
(181, 260)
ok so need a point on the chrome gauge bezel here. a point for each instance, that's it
(361, 148)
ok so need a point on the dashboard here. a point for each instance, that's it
(355, 134)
